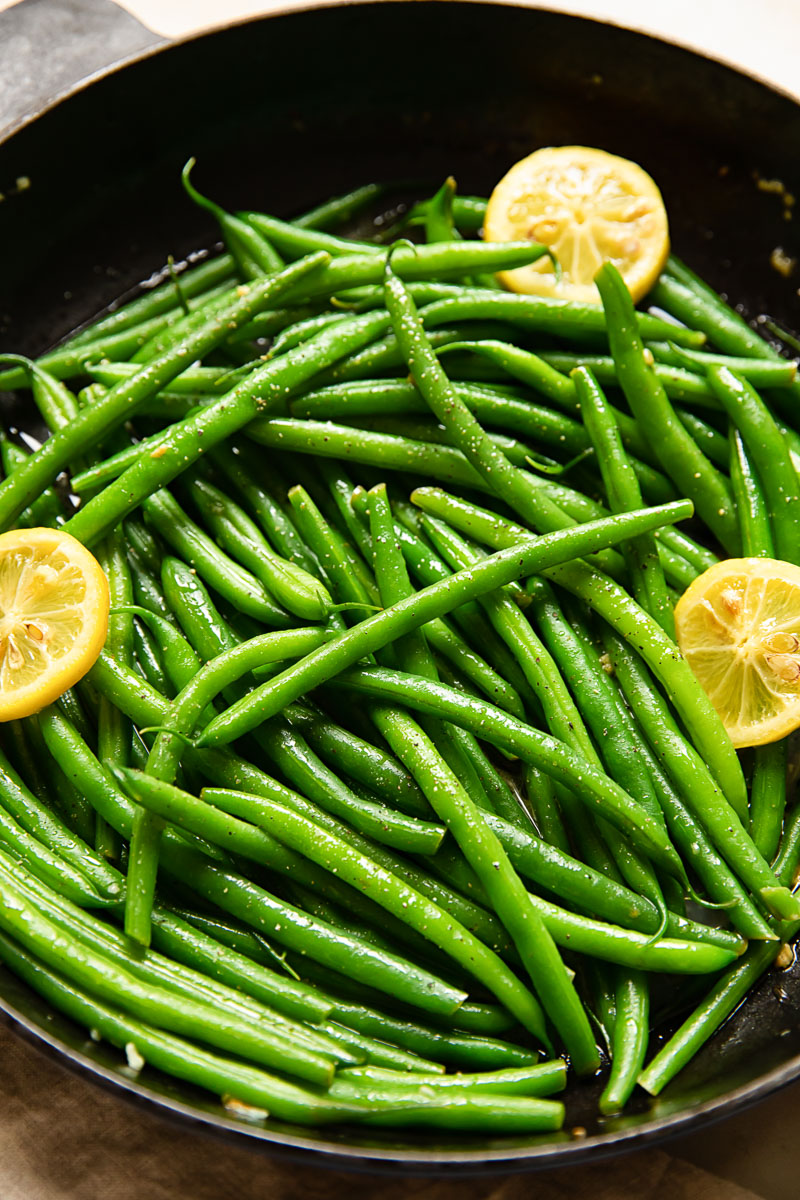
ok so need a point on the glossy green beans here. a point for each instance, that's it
(614, 604)
(431, 602)
(92, 423)
(686, 465)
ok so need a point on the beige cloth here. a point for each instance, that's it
(64, 1138)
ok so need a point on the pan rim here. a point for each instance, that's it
(287, 8)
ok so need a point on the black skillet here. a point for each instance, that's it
(286, 111)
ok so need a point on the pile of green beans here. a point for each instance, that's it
(385, 798)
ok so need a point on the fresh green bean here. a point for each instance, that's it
(683, 461)
(623, 492)
(767, 448)
(293, 587)
(253, 254)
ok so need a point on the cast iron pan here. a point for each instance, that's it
(286, 111)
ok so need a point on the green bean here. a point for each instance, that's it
(46, 509)
(183, 981)
(768, 787)
(446, 1046)
(627, 948)
(369, 816)
(37, 820)
(687, 770)
(629, 1040)
(623, 492)
(194, 948)
(109, 469)
(689, 835)
(751, 507)
(383, 396)
(231, 580)
(383, 1056)
(612, 603)
(683, 294)
(683, 461)
(229, 891)
(49, 865)
(148, 708)
(185, 322)
(760, 373)
(431, 602)
(68, 361)
(194, 380)
(528, 368)
(687, 386)
(293, 587)
(709, 439)
(785, 865)
(344, 569)
(287, 749)
(541, 1080)
(243, 837)
(468, 213)
(517, 488)
(768, 797)
(147, 657)
(101, 976)
(428, 568)
(543, 751)
(284, 746)
(365, 446)
(114, 732)
(606, 718)
(394, 975)
(440, 635)
(294, 240)
(364, 264)
(767, 449)
(585, 888)
(179, 660)
(339, 209)
(446, 304)
(542, 805)
(369, 765)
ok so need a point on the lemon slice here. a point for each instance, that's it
(738, 626)
(53, 617)
(589, 207)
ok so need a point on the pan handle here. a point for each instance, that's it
(47, 47)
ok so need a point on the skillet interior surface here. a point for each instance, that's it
(282, 113)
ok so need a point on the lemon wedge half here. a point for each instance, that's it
(588, 207)
(54, 605)
(738, 625)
